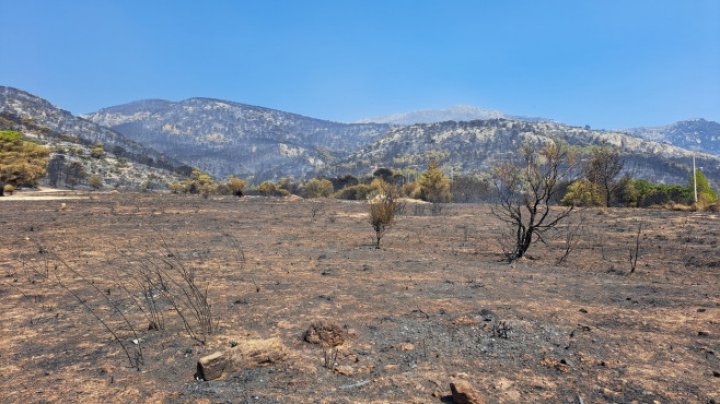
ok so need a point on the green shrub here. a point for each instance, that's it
(318, 188)
(434, 185)
(359, 192)
(267, 188)
(236, 186)
(583, 193)
(705, 193)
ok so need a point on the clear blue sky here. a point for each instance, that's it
(606, 63)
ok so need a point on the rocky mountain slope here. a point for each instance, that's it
(227, 138)
(694, 134)
(123, 163)
(479, 145)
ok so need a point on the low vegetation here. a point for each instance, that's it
(22, 163)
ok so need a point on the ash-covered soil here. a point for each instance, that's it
(435, 304)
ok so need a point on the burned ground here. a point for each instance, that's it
(434, 305)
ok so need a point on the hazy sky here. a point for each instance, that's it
(605, 63)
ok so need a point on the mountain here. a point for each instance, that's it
(476, 146)
(694, 134)
(454, 113)
(124, 163)
(228, 138)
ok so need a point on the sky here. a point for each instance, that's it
(605, 63)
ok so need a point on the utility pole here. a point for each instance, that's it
(694, 174)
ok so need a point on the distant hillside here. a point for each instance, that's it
(479, 145)
(694, 134)
(458, 113)
(453, 113)
(125, 163)
(227, 138)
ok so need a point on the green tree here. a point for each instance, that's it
(318, 188)
(434, 185)
(603, 169)
(21, 162)
(268, 188)
(382, 209)
(236, 186)
(705, 192)
(583, 193)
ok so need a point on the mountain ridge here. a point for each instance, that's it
(696, 134)
(230, 138)
(125, 163)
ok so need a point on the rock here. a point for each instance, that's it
(325, 334)
(252, 353)
(211, 367)
(406, 346)
(344, 370)
(463, 393)
(716, 373)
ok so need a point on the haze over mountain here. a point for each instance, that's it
(453, 113)
(229, 138)
(457, 113)
(693, 134)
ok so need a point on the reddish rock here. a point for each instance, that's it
(211, 367)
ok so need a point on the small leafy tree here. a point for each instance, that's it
(706, 194)
(583, 193)
(268, 188)
(357, 192)
(434, 185)
(602, 171)
(318, 188)
(236, 186)
(384, 174)
(382, 210)
(525, 190)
